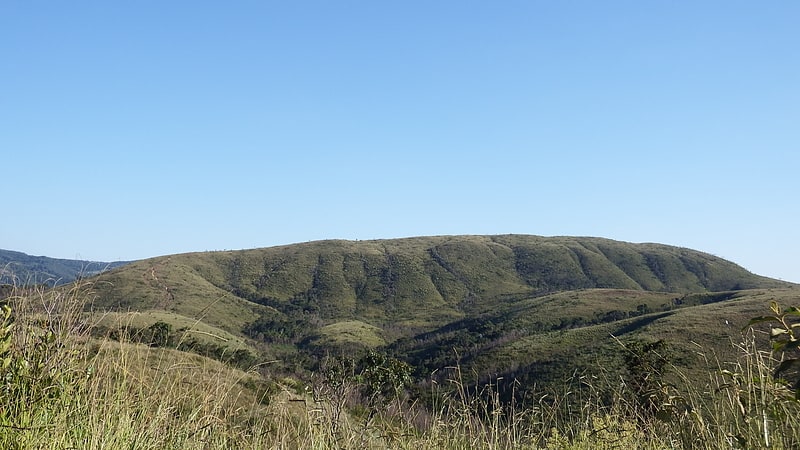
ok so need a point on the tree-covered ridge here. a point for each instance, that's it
(21, 268)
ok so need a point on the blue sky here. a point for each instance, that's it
(137, 129)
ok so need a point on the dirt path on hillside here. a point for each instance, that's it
(168, 297)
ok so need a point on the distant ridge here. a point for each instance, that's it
(21, 268)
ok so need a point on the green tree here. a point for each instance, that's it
(646, 363)
(376, 377)
(159, 334)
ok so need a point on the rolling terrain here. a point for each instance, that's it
(524, 306)
(432, 342)
(21, 268)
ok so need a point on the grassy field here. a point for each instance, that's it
(66, 388)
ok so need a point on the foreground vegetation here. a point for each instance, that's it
(65, 387)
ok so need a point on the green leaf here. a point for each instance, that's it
(5, 345)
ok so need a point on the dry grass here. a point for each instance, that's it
(62, 388)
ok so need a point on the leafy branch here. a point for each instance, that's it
(784, 323)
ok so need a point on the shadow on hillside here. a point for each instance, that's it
(641, 322)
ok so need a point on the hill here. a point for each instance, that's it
(433, 337)
(417, 281)
(422, 298)
(21, 268)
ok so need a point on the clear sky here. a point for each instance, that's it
(137, 129)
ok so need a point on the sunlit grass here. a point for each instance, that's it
(64, 388)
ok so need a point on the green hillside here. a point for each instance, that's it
(548, 338)
(431, 342)
(417, 281)
(425, 297)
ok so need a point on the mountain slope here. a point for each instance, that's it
(414, 283)
(513, 305)
(20, 268)
(546, 337)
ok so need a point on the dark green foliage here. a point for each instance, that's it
(37, 369)
(375, 378)
(379, 377)
(272, 328)
(382, 378)
(158, 334)
(240, 358)
(645, 364)
(785, 342)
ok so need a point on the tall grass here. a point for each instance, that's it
(64, 388)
